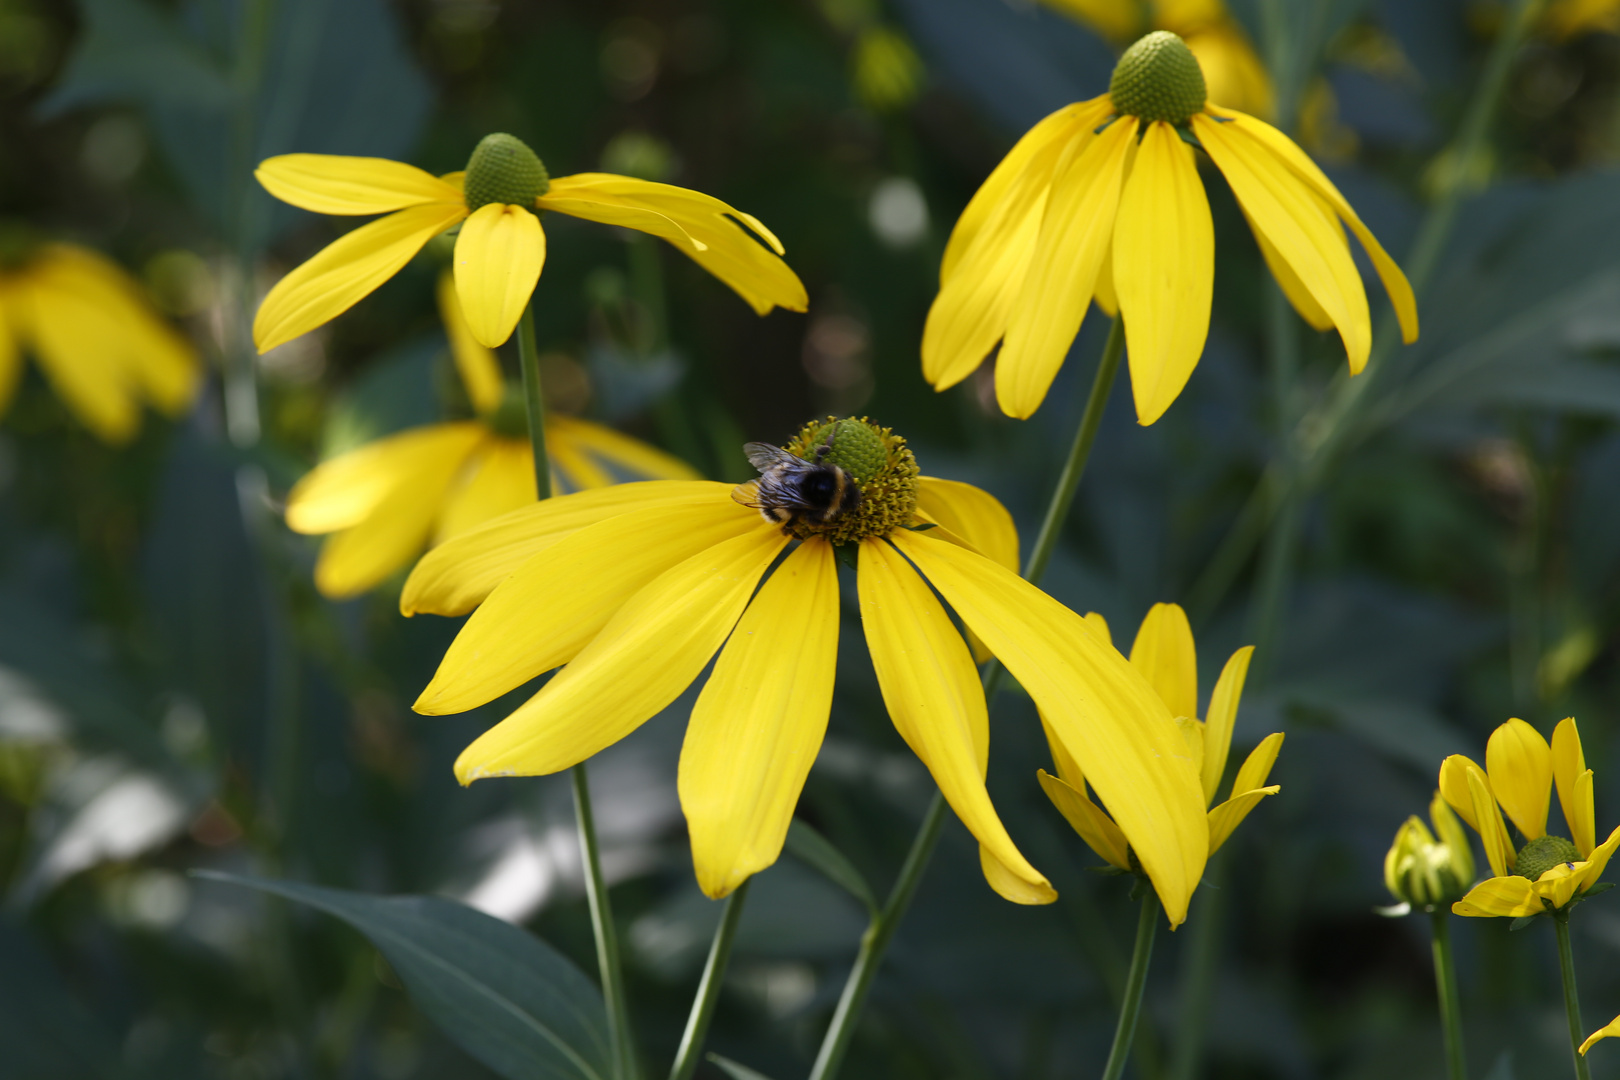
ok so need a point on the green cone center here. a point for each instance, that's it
(510, 419)
(1542, 854)
(1158, 78)
(877, 460)
(503, 169)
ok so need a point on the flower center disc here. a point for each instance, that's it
(1158, 78)
(880, 464)
(1542, 854)
(503, 169)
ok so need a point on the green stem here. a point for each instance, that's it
(1572, 999)
(1445, 984)
(607, 936)
(1198, 978)
(875, 941)
(1146, 925)
(535, 398)
(708, 991)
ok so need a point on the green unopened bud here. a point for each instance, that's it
(503, 169)
(1426, 872)
(1158, 78)
(1542, 854)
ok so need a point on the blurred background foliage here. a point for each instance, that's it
(175, 696)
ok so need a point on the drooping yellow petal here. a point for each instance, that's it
(499, 479)
(1226, 817)
(635, 457)
(1395, 283)
(1500, 897)
(1257, 766)
(1300, 229)
(480, 371)
(347, 270)
(1574, 781)
(1101, 708)
(1076, 231)
(1298, 295)
(1597, 862)
(1498, 849)
(1519, 763)
(1085, 817)
(931, 689)
(75, 345)
(456, 576)
(556, 602)
(1163, 652)
(332, 184)
(343, 491)
(973, 514)
(499, 255)
(1223, 707)
(759, 722)
(10, 354)
(1609, 1030)
(700, 226)
(1558, 884)
(646, 655)
(1164, 269)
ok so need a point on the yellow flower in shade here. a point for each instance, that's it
(103, 349)
(501, 247)
(1549, 872)
(633, 589)
(1164, 653)
(1424, 869)
(385, 501)
(1102, 200)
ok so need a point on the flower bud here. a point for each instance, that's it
(1426, 872)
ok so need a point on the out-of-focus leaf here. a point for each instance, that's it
(818, 852)
(396, 392)
(502, 995)
(1503, 1069)
(1400, 729)
(45, 1033)
(133, 50)
(735, 1070)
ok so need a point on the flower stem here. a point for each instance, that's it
(607, 936)
(1197, 987)
(1131, 1007)
(1445, 984)
(708, 991)
(529, 363)
(1572, 999)
(875, 941)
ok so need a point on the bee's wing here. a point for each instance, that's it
(763, 455)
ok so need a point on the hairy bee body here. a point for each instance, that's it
(791, 489)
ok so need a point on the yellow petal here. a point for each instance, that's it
(1226, 817)
(1085, 817)
(1164, 269)
(1611, 1029)
(636, 458)
(1491, 830)
(75, 345)
(1223, 707)
(1500, 897)
(973, 514)
(1099, 626)
(1101, 708)
(1298, 295)
(498, 258)
(1450, 832)
(330, 184)
(554, 604)
(346, 271)
(1299, 227)
(498, 479)
(343, 491)
(1163, 652)
(1192, 733)
(1597, 862)
(646, 655)
(931, 689)
(1574, 781)
(456, 576)
(700, 226)
(572, 467)
(480, 371)
(759, 722)
(1454, 772)
(1074, 239)
(1519, 764)
(1557, 886)
(1068, 769)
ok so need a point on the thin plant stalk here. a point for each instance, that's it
(1445, 984)
(1147, 925)
(1572, 998)
(708, 991)
(881, 930)
(534, 397)
(1197, 983)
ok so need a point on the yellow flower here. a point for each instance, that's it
(1102, 200)
(501, 247)
(1164, 653)
(1423, 872)
(1607, 1031)
(1548, 872)
(387, 500)
(101, 346)
(632, 590)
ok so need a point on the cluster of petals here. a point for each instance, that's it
(103, 349)
(632, 590)
(1520, 772)
(501, 248)
(385, 501)
(1164, 653)
(1094, 205)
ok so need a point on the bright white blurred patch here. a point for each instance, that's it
(521, 877)
(25, 714)
(150, 899)
(782, 988)
(897, 212)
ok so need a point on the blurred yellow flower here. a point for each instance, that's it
(1424, 872)
(1548, 872)
(632, 590)
(1165, 655)
(1102, 200)
(1567, 18)
(103, 348)
(385, 501)
(501, 247)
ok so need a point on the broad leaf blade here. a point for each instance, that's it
(815, 850)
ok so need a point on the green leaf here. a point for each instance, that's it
(735, 1070)
(502, 995)
(816, 851)
(1521, 922)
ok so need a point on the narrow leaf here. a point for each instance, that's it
(735, 1070)
(816, 851)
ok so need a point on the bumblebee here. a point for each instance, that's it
(791, 489)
